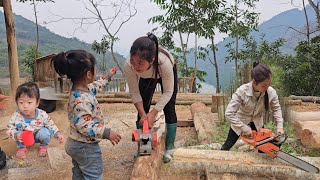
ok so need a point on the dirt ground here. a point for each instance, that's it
(118, 160)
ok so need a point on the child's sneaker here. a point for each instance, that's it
(21, 153)
(42, 151)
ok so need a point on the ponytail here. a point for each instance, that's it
(74, 64)
(156, 57)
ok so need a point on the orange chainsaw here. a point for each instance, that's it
(146, 138)
(266, 141)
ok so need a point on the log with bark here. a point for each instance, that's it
(147, 167)
(313, 99)
(240, 163)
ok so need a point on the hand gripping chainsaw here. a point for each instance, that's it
(147, 139)
(269, 143)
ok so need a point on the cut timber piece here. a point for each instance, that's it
(304, 116)
(146, 167)
(205, 126)
(198, 107)
(217, 102)
(309, 133)
(255, 164)
(204, 122)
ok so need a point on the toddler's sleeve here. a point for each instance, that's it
(99, 85)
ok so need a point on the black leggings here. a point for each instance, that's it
(147, 87)
(233, 137)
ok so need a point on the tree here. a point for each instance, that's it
(262, 51)
(243, 21)
(213, 18)
(123, 11)
(34, 4)
(28, 60)
(182, 17)
(304, 65)
(174, 21)
(101, 48)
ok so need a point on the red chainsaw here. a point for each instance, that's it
(146, 138)
(269, 143)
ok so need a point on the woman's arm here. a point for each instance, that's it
(167, 76)
(232, 109)
(276, 108)
(133, 83)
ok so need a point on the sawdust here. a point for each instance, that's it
(306, 107)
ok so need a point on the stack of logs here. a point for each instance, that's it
(123, 97)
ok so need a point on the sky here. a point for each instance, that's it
(138, 26)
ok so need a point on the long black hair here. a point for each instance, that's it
(259, 73)
(147, 47)
(74, 64)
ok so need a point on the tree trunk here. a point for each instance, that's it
(194, 88)
(215, 65)
(237, 38)
(317, 12)
(37, 27)
(184, 54)
(12, 46)
(307, 21)
(114, 57)
(104, 63)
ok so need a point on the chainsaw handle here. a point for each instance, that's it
(145, 126)
(249, 140)
(253, 134)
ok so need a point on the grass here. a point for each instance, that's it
(221, 132)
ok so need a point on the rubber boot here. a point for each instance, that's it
(170, 137)
(138, 125)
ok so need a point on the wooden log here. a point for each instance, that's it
(217, 101)
(313, 99)
(204, 124)
(309, 133)
(293, 102)
(256, 164)
(147, 167)
(12, 46)
(198, 107)
(114, 100)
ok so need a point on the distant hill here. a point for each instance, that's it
(49, 41)
(276, 27)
